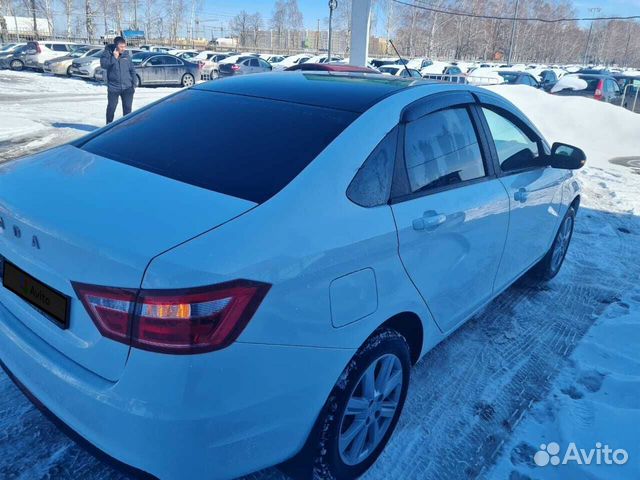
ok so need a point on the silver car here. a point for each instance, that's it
(86, 67)
(242, 65)
(164, 69)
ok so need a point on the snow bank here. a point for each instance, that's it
(569, 82)
(604, 131)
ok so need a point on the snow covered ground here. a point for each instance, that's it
(553, 364)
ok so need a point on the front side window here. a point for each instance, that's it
(442, 149)
(516, 151)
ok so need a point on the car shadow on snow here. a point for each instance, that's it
(466, 396)
(76, 126)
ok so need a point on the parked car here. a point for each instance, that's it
(184, 54)
(419, 63)
(272, 58)
(330, 67)
(517, 77)
(41, 51)
(63, 65)
(6, 46)
(209, 63)
(596, 86)
(630, 87)
(86, 67)
(291, 61)
(399, 71)
(323, 59)
(242, 65)
(379, 62)
(13, 57)
(155, 48)
(164, 69)
(282, 320)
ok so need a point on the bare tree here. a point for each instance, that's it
(255, 25)
(89, 14)
(239, 26)
(279, 20)
(68, 13)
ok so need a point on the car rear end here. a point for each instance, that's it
(594, 87)
(151, 368)
(33, 57)
(228, 69)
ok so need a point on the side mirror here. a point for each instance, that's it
(567, 157)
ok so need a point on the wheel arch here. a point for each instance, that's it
(409, 325)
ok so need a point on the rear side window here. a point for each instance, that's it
(57, 47)
(239, 157)
(441, 149)
(372, 184)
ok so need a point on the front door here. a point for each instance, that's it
(534, 189)
(451, 212)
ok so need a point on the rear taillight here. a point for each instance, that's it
(173, 321)
(599, 88)
(38, 49)
(235, 67)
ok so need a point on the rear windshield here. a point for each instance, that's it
(509, 77)
(592, 83)
(241, 146)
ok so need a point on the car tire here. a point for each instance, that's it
(188, 80)
(137, 82)
(69, 71)
(16, 65)
(333, 451)
(550, 265)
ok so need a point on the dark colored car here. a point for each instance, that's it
(153, 68)
(548, 79)
(519, 78)
(630, 88)
(14, 59)
(327, 67)
(600, 87)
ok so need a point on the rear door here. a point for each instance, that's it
(451, 211)
(534, 188)
(174, 70)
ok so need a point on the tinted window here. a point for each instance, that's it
(372, 184)
(264, 64)
(170, 61)
(59, 48)
(442, 149)
(254, 62)
(592, 82)
(156, 61)
(509, 78)
(244, 162)
(514, 147)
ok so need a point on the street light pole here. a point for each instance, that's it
(513, 33)
(333, 4)
(586, 49)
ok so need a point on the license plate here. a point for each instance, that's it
(53, 303)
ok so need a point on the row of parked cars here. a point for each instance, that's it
(161, 65)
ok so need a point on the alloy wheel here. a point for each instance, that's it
(562, 243)
(370, 409)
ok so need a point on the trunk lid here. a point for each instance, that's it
(70, 215)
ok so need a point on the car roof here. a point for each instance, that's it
(593, 75)
(355, 92)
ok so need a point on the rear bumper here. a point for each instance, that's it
(218, 415)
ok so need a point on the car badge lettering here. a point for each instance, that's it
(35, 243)
(16, 231)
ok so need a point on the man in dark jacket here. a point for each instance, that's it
(120, 75)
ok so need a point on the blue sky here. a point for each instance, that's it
(312, 10)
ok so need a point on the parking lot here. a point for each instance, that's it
(488, 393)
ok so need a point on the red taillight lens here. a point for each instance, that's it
(598, 95)
(174, 321)
(235, 67)
(110, 309)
